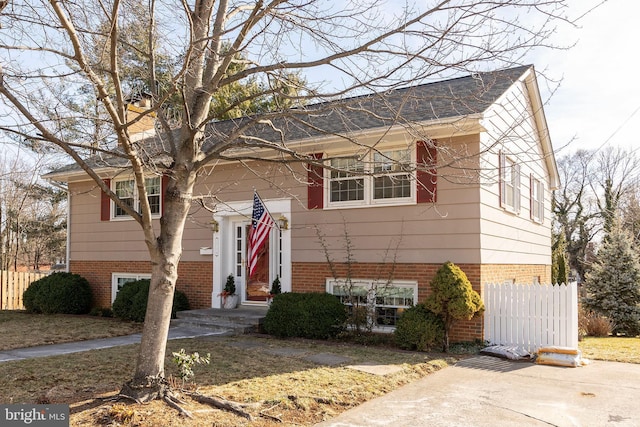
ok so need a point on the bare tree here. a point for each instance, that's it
(614, 177)
(598, 187)
(574, 208)
(48, 48)
(630, 214)
(32, 215)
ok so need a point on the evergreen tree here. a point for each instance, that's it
(452, 298)
(559, 271)
(613, 284)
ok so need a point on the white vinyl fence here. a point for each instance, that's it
(531, 316)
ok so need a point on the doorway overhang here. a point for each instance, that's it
(222, 245)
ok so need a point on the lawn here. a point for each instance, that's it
(615, 349)
(275, 377)
(20, 329)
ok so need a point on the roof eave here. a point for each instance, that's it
(433, 129)
(531, 83)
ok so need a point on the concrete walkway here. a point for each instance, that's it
(487, 391)
(75, 347)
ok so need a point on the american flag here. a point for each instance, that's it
(261, 224)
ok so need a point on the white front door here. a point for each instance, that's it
(255, 288)
(230, 254)
(240, 255)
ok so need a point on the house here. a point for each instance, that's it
(457, 170)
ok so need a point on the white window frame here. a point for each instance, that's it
(373, 166)
(537, 199)
(509, 184)
(135, 203)
(130, 277)
(370, 286)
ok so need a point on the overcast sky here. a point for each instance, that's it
(599, 97)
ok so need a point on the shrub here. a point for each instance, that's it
(276, 287)
(131, 301)
(452, 298)
(230, 285)
(593, 325)
(59, 292)
(180, 303)
(306, 315)
(419, 329)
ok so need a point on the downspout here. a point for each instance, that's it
(68, 244)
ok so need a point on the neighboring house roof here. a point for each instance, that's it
(439, 101)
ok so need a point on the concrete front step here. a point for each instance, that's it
(237, 321)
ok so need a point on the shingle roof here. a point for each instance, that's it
(440, 100)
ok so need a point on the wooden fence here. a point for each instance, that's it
(531, 316)
(12, 286)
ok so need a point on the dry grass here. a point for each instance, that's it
(255, 370)
(615, 349)
(594, 325)
(20, 329)
(275, 377)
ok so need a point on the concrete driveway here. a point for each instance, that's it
(488, 391)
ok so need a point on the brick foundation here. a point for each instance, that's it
(311, 277)
(195, 280)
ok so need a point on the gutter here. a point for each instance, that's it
(434, 128)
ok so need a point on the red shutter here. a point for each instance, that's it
(315, 189)
(426, 174)
(105, 203)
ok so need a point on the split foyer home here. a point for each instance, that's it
(457, 170)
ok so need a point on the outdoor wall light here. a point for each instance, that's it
(283, 222)
(215, 227)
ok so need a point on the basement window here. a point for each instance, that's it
(384, 303)
(119, 279)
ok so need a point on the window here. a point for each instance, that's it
(509, 184)
(347, 183)
(388, 179)
(391, 179)
(537, 199)
(127, 192)
(119, 279)
(385, 177)
(384, 302)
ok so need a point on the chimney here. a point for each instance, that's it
(136, 105)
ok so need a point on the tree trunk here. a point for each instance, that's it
(448, 323)
(148, 382)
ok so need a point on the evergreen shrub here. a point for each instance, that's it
(452, 298)
(419, 329)
(612, 286)
(58, 292)
(305, 315)
(131, 301)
